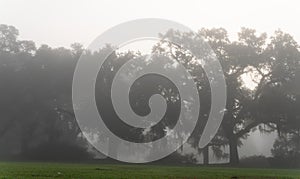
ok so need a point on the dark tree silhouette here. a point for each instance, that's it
(37, 119)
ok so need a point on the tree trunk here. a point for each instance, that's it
(233, 151)
(206, 155)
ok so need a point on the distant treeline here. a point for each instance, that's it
(37, 121)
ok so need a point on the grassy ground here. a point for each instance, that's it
(24, 170)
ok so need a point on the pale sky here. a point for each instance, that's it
(60, 23)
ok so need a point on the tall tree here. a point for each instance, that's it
(8, 38)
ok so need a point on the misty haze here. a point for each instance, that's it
(113, 90)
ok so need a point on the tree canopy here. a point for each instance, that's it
(261, 73)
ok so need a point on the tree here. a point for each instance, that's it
(27, 46)
(77, 49)
(191, 63)
(36, 86)
(286, 148)
(8, 38)
(251, 56)
(286, 151)
(36, 112)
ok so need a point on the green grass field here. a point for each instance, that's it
(24, 170)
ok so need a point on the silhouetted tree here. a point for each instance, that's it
(37, 118)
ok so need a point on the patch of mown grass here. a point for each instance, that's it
(24, 170)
